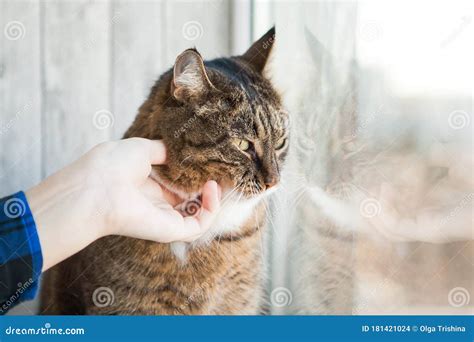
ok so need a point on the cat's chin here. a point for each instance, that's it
(229, 220)
(180, 195)
(234, 212)
(187, 203)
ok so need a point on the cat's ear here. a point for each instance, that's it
(257, 54)
(190, 79)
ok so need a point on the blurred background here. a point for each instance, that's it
(377, 197)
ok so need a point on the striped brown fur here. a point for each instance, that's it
(199, 112)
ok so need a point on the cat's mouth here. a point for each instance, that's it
(190, 203)
(187, 204)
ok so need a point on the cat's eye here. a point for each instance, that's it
(280, 144)
(242, 144)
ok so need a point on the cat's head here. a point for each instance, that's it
(220, 120)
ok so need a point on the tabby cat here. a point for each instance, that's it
(220, 120)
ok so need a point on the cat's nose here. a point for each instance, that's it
(271, 181)
(271, 174)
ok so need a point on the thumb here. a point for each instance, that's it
(195, 227)
(157, 150)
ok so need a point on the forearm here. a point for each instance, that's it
(64, 211)
(107, 191)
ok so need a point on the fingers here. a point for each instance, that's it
(191, 230)
(171, 197)
(210, 195)
(172, 227)
(151, 190)
(157, 152)
(156, 149)
(151, 217)
(195, 227)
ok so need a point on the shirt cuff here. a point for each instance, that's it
(21, 260)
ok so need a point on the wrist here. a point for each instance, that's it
(63, 209)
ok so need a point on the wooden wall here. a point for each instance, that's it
(73, 73)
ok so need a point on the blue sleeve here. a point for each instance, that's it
(21, 260)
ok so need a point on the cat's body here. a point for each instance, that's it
(220, 120)
(146, 278)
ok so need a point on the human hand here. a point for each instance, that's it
(108, 192)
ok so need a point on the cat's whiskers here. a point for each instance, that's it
(268, 215)
(239, 198)
(259, 230)
(220, 234)
(228, 196)
(224, 201)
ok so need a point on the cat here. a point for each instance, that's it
(222, 120)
